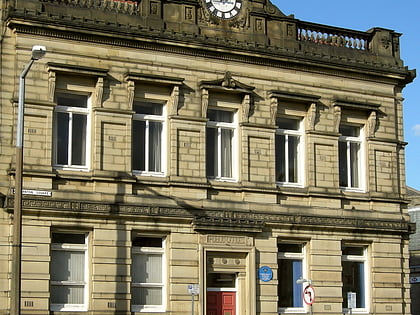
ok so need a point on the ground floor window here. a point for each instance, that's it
(148, 274)
(69, 272)
(290, 269)
(354, 275)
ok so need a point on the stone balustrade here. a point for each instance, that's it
(331, 36)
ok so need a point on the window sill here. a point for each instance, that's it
(292, 310)
(147, 309)
(356, 311)
(352, 190)
(68, 308)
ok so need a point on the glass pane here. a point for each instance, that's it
(155, 146)
(62, 141)
(146, 296)
(226, 148)
(280, 158)
(342, 151)
(67, 266)
(293, 158)
(78, 156)
(288, 123)
(290, 248)
(221, 280)
(290, 293)
(148, 108)
(67, 294)
(139, 145)
(148, 242)
(211, 151)
(349, 131)
(220, 115)
(147, 268)
(354, 281)
(59, 238)
(354, 163)
(72, 100)
(356, 251)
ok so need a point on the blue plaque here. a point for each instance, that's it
(265, 273)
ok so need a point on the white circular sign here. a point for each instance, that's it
(309, 295)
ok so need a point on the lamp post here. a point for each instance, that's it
(37, 53)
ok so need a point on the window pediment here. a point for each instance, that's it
(227, 84)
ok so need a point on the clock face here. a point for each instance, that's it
(225, 9)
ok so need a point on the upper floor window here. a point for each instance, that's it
(220, 144)
(69, 272)
(148, 275)
(291, 259)
(148, 140)
(72, 130)
(354, 276)
(350, 156)
(288, 151)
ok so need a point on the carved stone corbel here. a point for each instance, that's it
(274, 103)
(246, 105)
(130, 90)
(337, 118)
(371, 124)
(51, 85)
(311, 117)
(99, 91)
(204, 102)
(174, 101)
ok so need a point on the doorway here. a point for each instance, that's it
(221, 294)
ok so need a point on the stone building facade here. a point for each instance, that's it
(222, 147)
(414, 248)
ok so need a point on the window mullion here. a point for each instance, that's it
(70, 144)
(348, 153)
(146, 145)
(286, 157)
(219, 152)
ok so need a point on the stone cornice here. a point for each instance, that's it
(209, 47)
(212, 219)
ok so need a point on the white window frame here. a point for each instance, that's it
(364, 260)
(137, 250)
(78, 248)
(234, 160)
(300, 156)
(360, 159)
(294, 256)
(147, 118)
(74, 110)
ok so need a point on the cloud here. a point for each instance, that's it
(416, 130)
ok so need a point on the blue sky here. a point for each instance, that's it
(403, 16)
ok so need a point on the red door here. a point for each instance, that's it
(221, 303)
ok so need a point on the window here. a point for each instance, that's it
(290, 269)
(68, 270)
(354, 275)
(220, 144)
(288, 147)
(148, 129)
(72, 116)
(148, 275)
(350, 156)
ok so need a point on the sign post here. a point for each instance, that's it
(309, 296)
(193, 289)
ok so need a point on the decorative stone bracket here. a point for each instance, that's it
(175, 82)
(54, 68)
(310, 100)
(228, 85)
